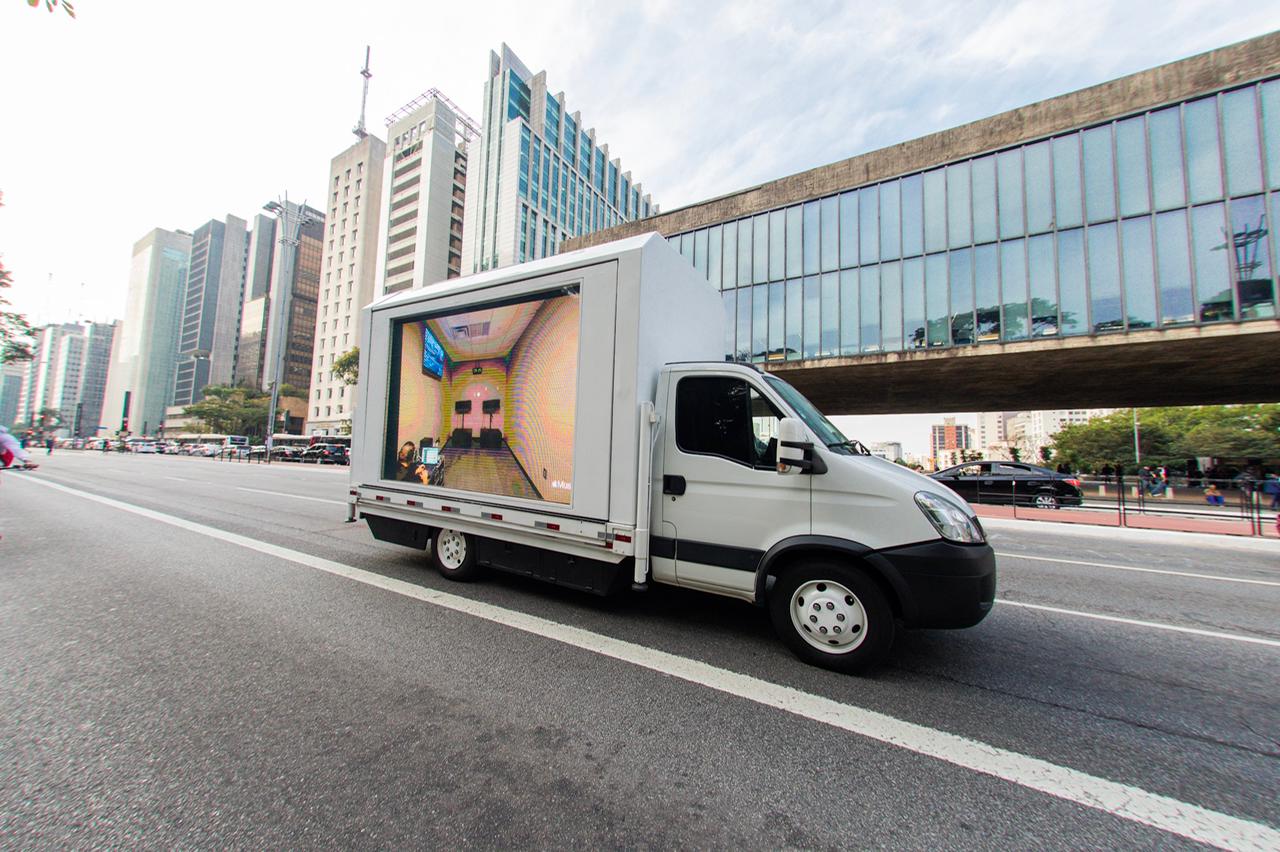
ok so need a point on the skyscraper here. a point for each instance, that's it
(259, 262)
(537, 174)
(68, 375)
(424, 183)
(145, 348)
(351, 259)
(210, 333)
(11, 377)
(43, 370)
(93, 381)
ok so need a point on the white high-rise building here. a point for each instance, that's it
(1031, 431)
(43, 371)
(538, 175)
(348, 276)
(145, 350)
(67, 375)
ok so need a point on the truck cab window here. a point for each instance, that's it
(726, 417)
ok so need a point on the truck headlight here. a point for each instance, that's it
(951, 521)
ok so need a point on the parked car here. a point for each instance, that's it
(325, 454)
(148, 447)
(284, 453)
(1011, 483)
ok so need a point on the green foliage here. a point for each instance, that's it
(53, 4)
(236, 409)
(1173, 435)
(347, 366)
(15, 333)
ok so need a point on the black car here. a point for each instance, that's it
(1011, 483)
(325, 454)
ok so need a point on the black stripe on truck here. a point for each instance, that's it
(705, 553)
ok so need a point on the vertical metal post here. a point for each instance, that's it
(1137, 447)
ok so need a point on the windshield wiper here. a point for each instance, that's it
(854, 444)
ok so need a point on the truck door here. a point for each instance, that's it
(723, 502)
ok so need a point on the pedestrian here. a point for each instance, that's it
(1145, 480)
(1107, 472)
(1213, 496)
(48, 446)
(1271, 487)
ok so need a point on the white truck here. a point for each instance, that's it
(574, 419)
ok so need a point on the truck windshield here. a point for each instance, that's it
(813, 418)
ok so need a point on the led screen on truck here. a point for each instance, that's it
(484, 400)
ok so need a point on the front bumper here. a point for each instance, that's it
(942, 584)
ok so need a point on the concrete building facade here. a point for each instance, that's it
(421, 193)
(145, 347)
(351, 260)
(538, 175)
(12, 375)
(259, 264)
(41, 373)
(948, 441)
(210, 335)
(1096, 244)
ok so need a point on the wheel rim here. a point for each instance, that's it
(451, 549)
(1045, 501)
(828, 616)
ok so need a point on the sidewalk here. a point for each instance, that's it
(1132, 520)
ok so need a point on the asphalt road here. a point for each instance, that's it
(197, 675)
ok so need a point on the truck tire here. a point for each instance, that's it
(831, 615)
(454, 555)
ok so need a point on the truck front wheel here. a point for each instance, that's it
(454, 554)
(832, 616)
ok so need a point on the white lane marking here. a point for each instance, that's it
(1194, 631)
(1142, 570)
(1122, 800)
(294, 496)
(179, 479)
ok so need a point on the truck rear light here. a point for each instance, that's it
(490, 516)
(379, 498)
(411, 502)
(550, 526)
(354, 493)
(448, 509)
(621, 537)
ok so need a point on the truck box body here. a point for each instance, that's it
(519, 389)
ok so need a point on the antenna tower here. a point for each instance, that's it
(359, 130)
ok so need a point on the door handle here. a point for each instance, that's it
(673, 484)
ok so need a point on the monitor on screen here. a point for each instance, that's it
(432, 354)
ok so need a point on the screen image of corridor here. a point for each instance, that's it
(486, 400)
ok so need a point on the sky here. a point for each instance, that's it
(140, 114)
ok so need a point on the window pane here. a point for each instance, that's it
(1270, 94)
(1099, 182)
(759, 322)
(959, 220)
(713, 416)
(935, 210)
(869, 223)
(1209, 254)
(686, 247)
(1038, 184)
(777, 245)
(1072, 299)
(890, 221)
(744, 251)
(1066, 181)
(1165, 128)
(986, 289)
(984, 200)
(849, 312)
(961, 263)
(1013, 289)
(1173, 264)
(760, 250)
(830, 234)
(1104, 279)
(795, 265)
(729, 272)
(849, 229)
(795, 321)
(891, 307)
(812, 329)
(1043, 286)
(1240, 142)
(744, 324)
(830, 342)
(1139, 273)
(730, 313)
(1204, 166)
(913, 303)
(1252, 261)
(1131, 166)
(713, 256)
(869, 287)
(700, 252)
(811, 234)
(1009, 166)
(936, 304)
(779, 325)
(912, 216)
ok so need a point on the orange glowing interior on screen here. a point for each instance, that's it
(499, 419)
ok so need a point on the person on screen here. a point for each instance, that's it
(408, 468)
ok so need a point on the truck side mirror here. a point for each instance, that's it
(795, 450)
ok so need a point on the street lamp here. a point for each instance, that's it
(291, 217)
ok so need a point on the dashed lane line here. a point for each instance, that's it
(1155, 625)
(1140, 569)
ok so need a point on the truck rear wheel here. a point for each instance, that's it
(832, 616)
(454, 555)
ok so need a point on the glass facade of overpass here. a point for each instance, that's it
(1149, 221)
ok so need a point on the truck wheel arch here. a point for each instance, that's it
(799, 547)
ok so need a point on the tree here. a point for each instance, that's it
(53, 4)
(1046, 453)
(347, 366)
(1015, 454)
(1170, 436)
(235, 409)
(15, 333)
